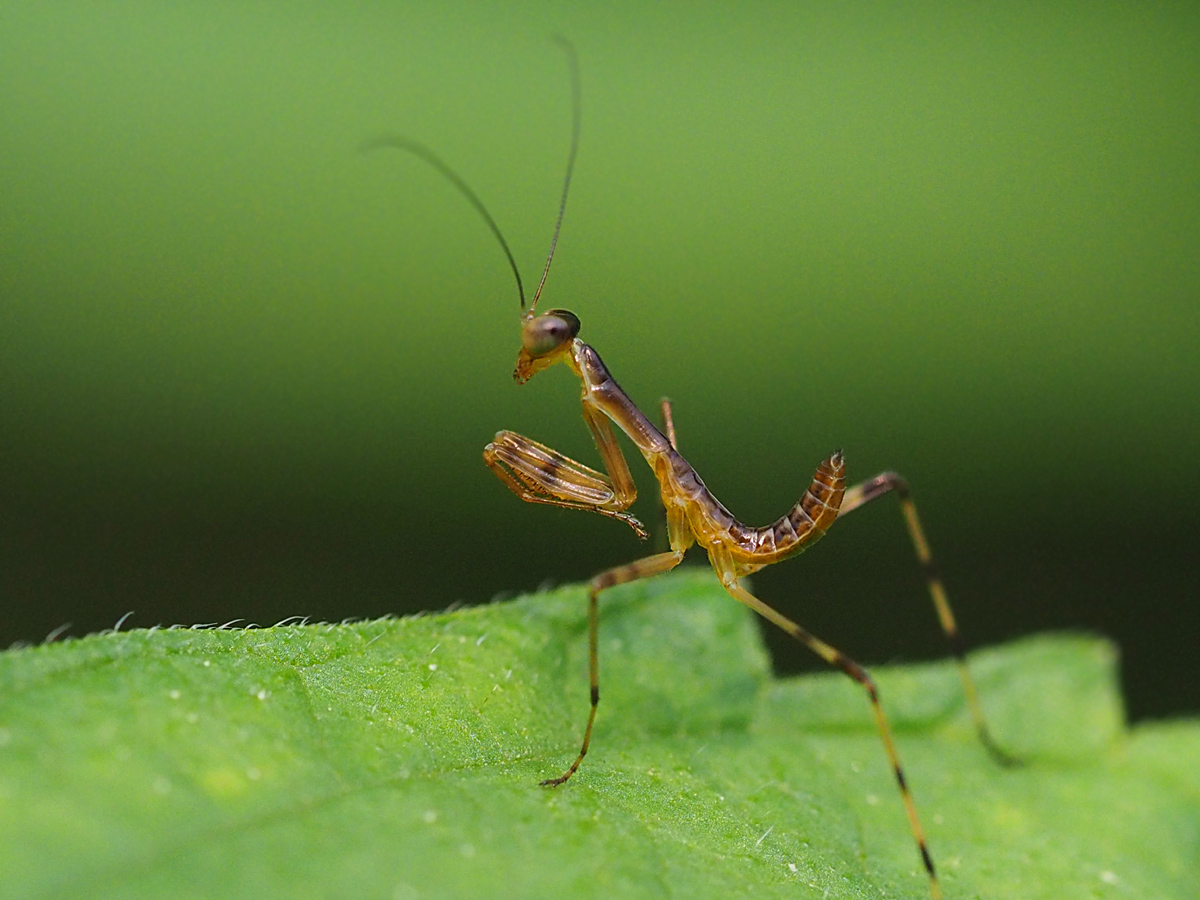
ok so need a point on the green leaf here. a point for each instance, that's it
(400, 759)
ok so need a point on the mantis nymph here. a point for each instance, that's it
(539, 474)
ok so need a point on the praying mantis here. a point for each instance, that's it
(538, 474)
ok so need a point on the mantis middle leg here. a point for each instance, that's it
(642, 568)
(681, 538)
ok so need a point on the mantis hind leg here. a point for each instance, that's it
(727, 572)
(891, 482)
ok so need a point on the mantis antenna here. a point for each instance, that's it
(576, 116)
(419, 150)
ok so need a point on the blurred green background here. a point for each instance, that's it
(246, 371)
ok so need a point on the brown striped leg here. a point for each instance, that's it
(642, 568)
(839, 660)
(662, 534)
(876, 487)
(538, 474)
(668, 422)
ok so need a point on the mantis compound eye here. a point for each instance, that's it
(549, 331)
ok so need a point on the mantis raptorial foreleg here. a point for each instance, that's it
(539, 474)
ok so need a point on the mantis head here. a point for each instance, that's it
(545, 340)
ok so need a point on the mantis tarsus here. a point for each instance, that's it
(539, 474)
